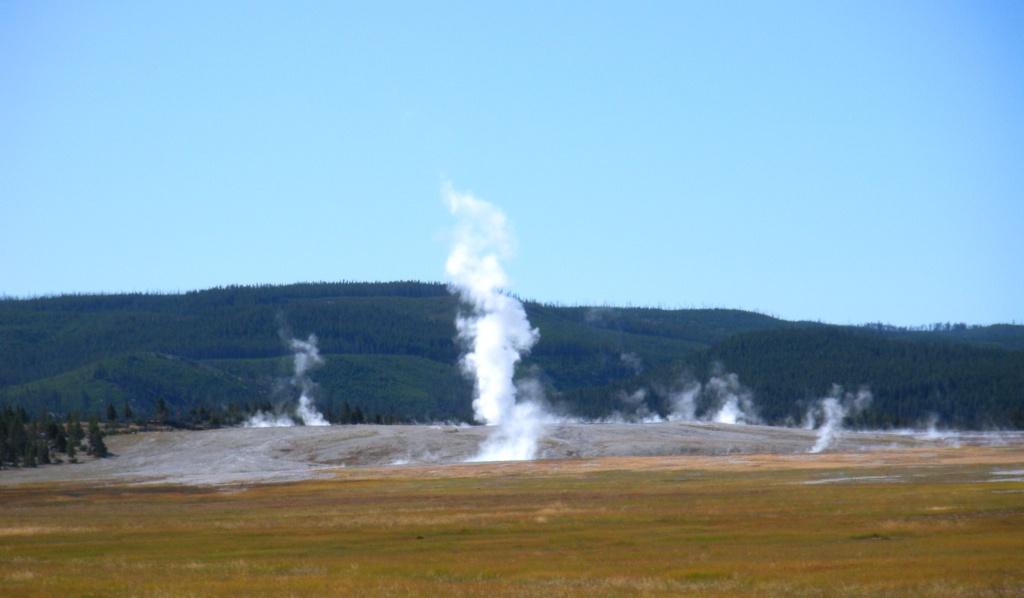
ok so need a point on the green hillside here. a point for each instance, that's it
(390, 350)
(963, 385)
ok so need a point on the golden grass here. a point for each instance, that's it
(748, 525)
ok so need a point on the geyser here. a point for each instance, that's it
(494, 327)
(306, 356)
(735, 402)
(683, 401)
(831, 411)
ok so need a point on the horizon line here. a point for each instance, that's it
(551, 303)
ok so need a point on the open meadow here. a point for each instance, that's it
(939, 521)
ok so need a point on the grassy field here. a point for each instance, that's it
(924, 522)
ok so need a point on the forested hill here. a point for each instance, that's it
(390, 352)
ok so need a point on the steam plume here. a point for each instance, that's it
(683, 402)
(633, 362)
(306, 357)
(635, 410)
(495, 328)
(263, 419)
(515, 439)
(735, 402)
(832, 410)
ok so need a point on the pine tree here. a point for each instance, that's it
(28, 458)
(97, 448)
(42, 451)
(111, 413)
(17, 439)
(60, 441)
(75, 431)
(3, 441)
(53, 429)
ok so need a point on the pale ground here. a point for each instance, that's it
(247, 455)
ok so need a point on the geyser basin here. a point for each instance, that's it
(234, 455)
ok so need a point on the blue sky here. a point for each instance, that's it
(841, 161)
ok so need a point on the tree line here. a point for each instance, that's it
(25, 442)
(213, 357)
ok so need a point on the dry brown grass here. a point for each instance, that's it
(971, 455)
(748, 525)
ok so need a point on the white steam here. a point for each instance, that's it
(683, 402)
(495, 328)
(934, 434)
(723, 398)
(831, 411)
(633, 362)
(262, 419)
(635, 409)
(306, 357)
(735, 403)
(808, 421)
(516, 438)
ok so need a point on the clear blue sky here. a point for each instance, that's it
(842, 161)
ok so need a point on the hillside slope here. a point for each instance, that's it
(390, 350)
